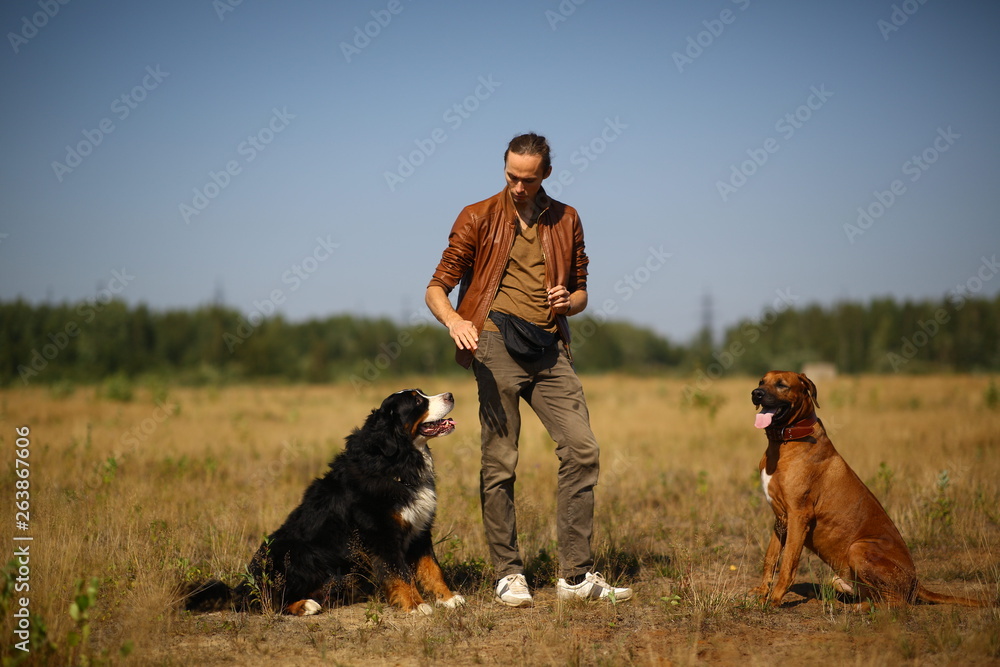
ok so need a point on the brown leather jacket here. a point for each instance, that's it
(479, 246)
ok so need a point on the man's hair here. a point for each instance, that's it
(530, 144)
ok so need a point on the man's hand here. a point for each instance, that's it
(559, 299)
(462, 331)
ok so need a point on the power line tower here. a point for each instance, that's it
(219, 295)
(707, 319)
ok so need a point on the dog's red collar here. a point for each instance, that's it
(800, 429)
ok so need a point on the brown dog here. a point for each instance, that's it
(821, 504)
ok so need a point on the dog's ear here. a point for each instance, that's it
(389, 445)
(388, 442)
(810, 389)
(386, 431)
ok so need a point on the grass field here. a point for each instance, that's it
(135, 490)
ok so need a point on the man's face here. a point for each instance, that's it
(524, 176)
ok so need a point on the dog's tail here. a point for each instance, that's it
(924, 595)
(212, 595)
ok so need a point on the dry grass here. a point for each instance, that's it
(147, 493)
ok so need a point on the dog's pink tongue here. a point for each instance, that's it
(763, 419)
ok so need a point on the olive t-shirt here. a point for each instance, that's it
(522, 288)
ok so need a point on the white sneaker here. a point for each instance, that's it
(593, 587)
(513, 591)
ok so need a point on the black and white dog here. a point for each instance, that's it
(370, 514)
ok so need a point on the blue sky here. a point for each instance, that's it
(313, 155)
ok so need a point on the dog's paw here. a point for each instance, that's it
(452, 602)
(304, 608)
(842, 586)
(423, 608)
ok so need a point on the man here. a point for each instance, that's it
(521, 254)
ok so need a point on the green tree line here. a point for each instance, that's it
(954, 334)
(90, 341)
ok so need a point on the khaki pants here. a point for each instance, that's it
(553, 390)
